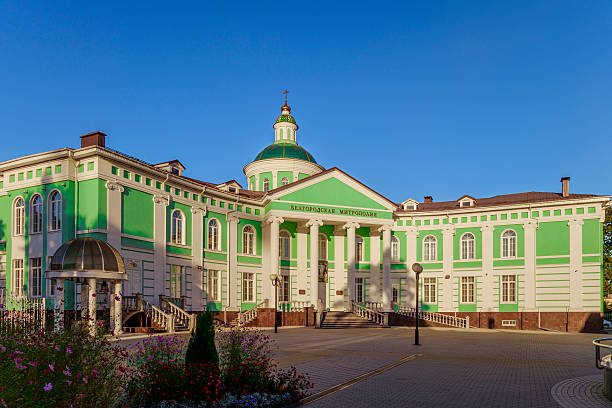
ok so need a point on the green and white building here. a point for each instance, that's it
(330, 237)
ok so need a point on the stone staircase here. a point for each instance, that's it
(346, 320)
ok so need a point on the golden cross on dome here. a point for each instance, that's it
(286, 92)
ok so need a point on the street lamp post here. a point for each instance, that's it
(417, 268)
(275, 282)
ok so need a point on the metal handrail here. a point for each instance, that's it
(598, 345)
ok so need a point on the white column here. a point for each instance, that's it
(411, 257)
(302, 261)
(375, 292)
(274, 180)
(487, 267)
(350, 252)
(197, 261)
(530, 227)
(58, 305)
(234, 279)
(84, 300)
(275, 223)
(118, 311)
(387, 294)
(338, 302)
(159, 245)
(447, 266)
(314, 225)
(257, 183)
(91, 282)
(575, 236)
(114, 214)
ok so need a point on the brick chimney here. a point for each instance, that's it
(93, 139)
(428, 199)
(565, 186)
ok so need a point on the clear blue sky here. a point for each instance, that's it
(413, 99)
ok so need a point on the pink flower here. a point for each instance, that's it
(93, 295)
(69, 350)
(85, 380)
(48, 387)
(52, 367)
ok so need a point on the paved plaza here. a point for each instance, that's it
(452, 367)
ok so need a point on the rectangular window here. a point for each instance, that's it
(212, 286)
(81, 168)
(467, 289)
(17, 278)
(248, 293)
(284, 289)
(148, 181)
(429, 290)
(137, 178)
(395, 294)
(126, 174)
(90, 166)
(114, 170)
(508, 288)
(38, 172)
(58, 169)
(176, 278)
(35, 277)
(359, 290)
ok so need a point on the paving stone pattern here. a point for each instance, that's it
(456, 368)
(581, 392)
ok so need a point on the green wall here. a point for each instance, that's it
(137, 213)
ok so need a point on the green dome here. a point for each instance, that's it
(285, 151)
(285, 118)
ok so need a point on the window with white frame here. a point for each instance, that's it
(322, 247)
(429, 290)
(359, 289)
(359, 249)
(467, 246)
(176, 280)
(266, 185)
(17, 278)
(248, 240)
(213, 235)
(430, 248)
(36, 214)
(178, 228)
(55, 211)
(19, 217)
(248, 287)
(35, 277)
(395, 249)
(284, 181)
(212, 285)
(508, 244)
(508, 288)
(395, 293)
(284, 244)
(285, 288)
(467, 289)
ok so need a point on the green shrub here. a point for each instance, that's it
(202, 348)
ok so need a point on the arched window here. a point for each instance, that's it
(322, 247)
(178, 226)
(248, 240)
(213, 235)
(395, 249)
(467, 246)
(55, 211)
(19, 217)
(429, 248)
(284, 244)
(36, 214)
(284, 181)
(266, 185)
(508, 244)
(358, 249)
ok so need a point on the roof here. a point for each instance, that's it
(285, 151)
(285, 118)
(87, 254)
(516, 198)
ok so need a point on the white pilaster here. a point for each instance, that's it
(375, 288)
(233, 276)
(487, 267)
(575, 230)
(447, 266)
(411, 257)
(114, 214)
(302, 261)
(197, 261)
(338, 302)
(530, 227)
(387, 293)
(159, 258)
(350, 252)
(314, 225)
(275, 223)
(274, 180)
(295, 175)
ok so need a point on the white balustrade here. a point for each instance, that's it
(369, 314)
(434, 317)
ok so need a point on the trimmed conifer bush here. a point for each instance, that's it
(201, 348)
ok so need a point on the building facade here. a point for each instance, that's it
(331, 239)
